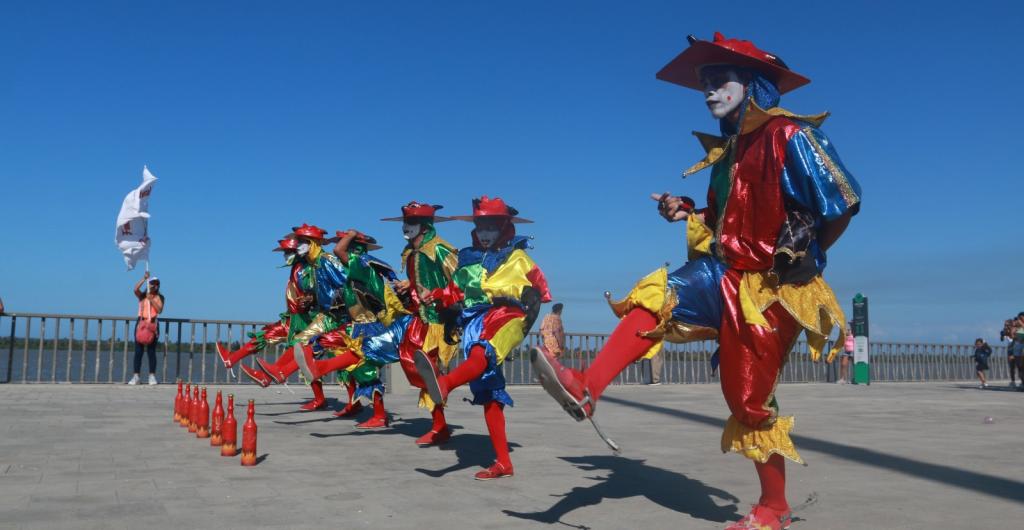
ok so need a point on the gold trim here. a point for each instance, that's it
(760, 444)
(841, 180)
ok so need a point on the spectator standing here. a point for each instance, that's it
(1007, 335)
(847, 357)
(982, 352)
(1, 306)
(1018, 347)
(552, 333)
(151, 304)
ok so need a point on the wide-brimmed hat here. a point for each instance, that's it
(419, 210)
(309, 232)
(361, 238)
(287, 243)
(685, 68)
(487, 207)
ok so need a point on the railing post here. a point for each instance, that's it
(10, 351)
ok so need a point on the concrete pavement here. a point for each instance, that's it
(884, 456)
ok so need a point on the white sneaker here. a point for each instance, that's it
(134, 380)
(152, 379)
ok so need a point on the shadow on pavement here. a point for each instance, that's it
(471, 450)
(634, 478)
(332, 404)
(960, 478)
(414, 428)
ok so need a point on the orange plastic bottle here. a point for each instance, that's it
(249, 436)
(185, 404)
(230, 430)
(203, 418)
(217, 423)
(177, 404)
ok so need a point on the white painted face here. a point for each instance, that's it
(410, 230)
(289, 257)
(303, 249)
(723, 90)
(487, 232)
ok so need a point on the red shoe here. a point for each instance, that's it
(566, 385)
(374, 423)
(763, 518)
(257, 376)
(271, 370)
(225, 355)
(435, 384)
(434, 437)
(495, 471)
(350, 410)
(314, 404)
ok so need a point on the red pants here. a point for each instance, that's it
(751, 357)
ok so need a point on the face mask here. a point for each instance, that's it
(289, 258)
(488, 236)
(303, 249)
(410, 230)
(723, 91)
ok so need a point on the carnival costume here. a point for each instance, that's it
(495, 296)
(429, 262)
(377, 323)
(323, 277)
(753, 279)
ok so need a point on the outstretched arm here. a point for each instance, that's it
(138, 286)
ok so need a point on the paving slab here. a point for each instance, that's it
(901, 456)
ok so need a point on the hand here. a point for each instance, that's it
(671, 208)
(145, 276)
(401, 286)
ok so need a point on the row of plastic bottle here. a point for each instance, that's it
(192, 410)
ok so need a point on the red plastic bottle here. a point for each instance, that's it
(217, 423)
(249, 436)
(193, 413)
(203, 419)
(186, 404)
(230, 430)
(177, 404)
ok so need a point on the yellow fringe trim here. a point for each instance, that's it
(813, 305)
(759, 444)
(425, 401)
(435, 341)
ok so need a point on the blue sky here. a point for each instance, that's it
(257, 116)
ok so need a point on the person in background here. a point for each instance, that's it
(846, 358)
(982, 351)
(151, 304)
(1018, 347)
(1, 306)
(552, 333)
(1007, 335)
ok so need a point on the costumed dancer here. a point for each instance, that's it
(378, 320)
(323, 277)
(778, 198)
(429, 262)
(494, 296)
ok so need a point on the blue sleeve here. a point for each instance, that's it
(815, 178)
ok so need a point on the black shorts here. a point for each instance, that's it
(980, 366)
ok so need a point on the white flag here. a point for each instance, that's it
(132, 234)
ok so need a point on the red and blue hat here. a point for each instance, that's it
(685, 68)
(361, 238)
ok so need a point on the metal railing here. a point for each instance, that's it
(55, 348)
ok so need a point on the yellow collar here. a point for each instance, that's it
(717, 146)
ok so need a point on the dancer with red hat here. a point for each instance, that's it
(429, 262)
(778, 198)
(319, 277)
(376, 326)
(494, 298)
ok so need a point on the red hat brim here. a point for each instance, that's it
(684, 69)
(437, 218)
(335, 239)
(471, 218)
